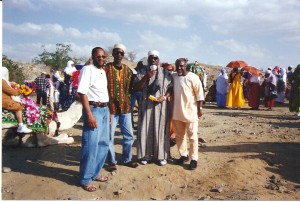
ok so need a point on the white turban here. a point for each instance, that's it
(153, 52)
(144, 60)
(70, 68)
(268, 72)
(5, 74)
(120, 46)
(70, 63)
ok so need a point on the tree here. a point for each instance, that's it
(56, 60)
(131, 55)
(109, 50)
(15, 73)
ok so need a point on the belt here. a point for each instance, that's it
(98, 104)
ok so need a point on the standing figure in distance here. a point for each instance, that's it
(50, 92)
(42, 84)
(270, 87)
(235, 97)
(222, 88)
(294, 103)
(254, 91)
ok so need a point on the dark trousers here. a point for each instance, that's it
(43, 96)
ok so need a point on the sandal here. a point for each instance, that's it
(101, 179)
(112, 167)
(89, 187)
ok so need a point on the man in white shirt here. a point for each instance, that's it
(93, 93)
(188, 100)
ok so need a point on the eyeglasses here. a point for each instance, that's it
(100, 56)
(119, 52)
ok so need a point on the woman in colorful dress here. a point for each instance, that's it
(254, 92)
(235, 97)
(222, 88)
(270, 89)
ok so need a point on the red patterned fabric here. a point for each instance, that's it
(119, 84)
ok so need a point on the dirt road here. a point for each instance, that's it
(248, 155)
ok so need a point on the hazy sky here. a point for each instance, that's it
(263, 33)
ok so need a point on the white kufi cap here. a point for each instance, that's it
(268, 72)
(120, 46)
(153, 52)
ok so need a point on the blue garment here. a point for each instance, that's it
(125, 123)
(221, 99)
(136, 96)
(95, 144)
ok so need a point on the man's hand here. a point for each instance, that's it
(200, 113)
(92, 121)
(151, 73)
(160, 99)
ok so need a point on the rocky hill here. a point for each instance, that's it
(31, 70)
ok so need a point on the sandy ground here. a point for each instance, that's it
(248, 155)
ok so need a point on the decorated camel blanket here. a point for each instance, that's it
(35, 117)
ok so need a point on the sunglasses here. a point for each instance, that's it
(153, 58)
(100, 56)
(119, 52)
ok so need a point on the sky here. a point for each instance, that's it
(262, 33)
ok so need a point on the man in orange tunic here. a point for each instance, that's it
(10, 104)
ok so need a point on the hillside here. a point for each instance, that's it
(31, 70)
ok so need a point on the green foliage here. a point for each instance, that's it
(56, 60)
(15, 73)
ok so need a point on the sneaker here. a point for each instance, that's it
(298, 114)
(193, 165)
(181, 160)
(144, 162)
(23, 129)
(163, 162)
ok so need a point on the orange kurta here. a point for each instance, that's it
(235, 96)
(7, 102)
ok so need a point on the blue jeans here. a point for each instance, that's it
(95, 144)
(136, 96)
(128, 139)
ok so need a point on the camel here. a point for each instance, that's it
(67, 120)
(200, 71)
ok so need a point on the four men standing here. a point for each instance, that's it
(105, 92)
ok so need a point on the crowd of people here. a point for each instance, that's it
(170, 102)
(274, 86)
